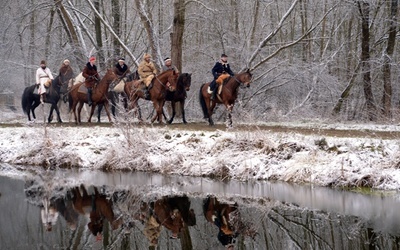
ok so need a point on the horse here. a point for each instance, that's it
(114, 96)
(160, 84)
(171, 212)
(98, 208)
(182, 86)
(99, 96)
(30, 100)
(225, 216)
(227, 96)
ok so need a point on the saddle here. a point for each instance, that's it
(82, 89)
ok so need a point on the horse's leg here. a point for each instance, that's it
(173, 112)
(78, 121)
(99, 109)
(50, 118)
(91, 112)
(33, 107)
(107, 111)
(183, 111)
(58, 113)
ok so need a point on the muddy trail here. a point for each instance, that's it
(305, 130)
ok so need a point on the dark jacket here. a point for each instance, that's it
(219, 68)
(121, 71)
(91, 75)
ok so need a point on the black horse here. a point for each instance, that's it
(115, 97)
(30, 99)
(183, 85)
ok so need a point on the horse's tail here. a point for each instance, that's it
(203, 102)
(25, 100)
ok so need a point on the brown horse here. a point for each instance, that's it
(224, 216)
(99, 96)
(98, 208)
(160, 84)
(227, 96)
(171, 212)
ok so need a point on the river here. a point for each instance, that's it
(46, 210)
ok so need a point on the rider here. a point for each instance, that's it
(66, 70)
(147, 71)
(91, 77)
(43, 75)
(168, 65)
(121, 69)
(220, 71)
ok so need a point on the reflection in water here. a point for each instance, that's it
(52, 214)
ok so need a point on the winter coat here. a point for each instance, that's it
(146, 69)
(219, 68)
(91, 75)
(121, 71)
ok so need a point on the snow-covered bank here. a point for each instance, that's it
(241, 155)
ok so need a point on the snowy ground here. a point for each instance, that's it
(254, 154)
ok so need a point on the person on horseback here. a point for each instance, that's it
(147, 71)
(66, 70)
(91, 77)
(220, 71)
(43, 77)
(168, 65)
(121, 69)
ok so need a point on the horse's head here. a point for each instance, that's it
(177, 223)
(172, 80)
(185, 80)
(110, 76)
(244, 78)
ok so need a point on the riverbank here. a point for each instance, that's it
(362, 160)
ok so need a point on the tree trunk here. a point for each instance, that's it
(387, 60)
(99, 40)
(48, 35)
(177, 33)
(116, 25)
(364, 8)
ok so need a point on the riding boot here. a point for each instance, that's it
(89, 96)
(146, 93)
(214, 94)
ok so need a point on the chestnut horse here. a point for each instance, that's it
(227, 96)
(171, 212)
(182, 86)
(224, 216)
(98, 208)
(99, 95)
(160, 84)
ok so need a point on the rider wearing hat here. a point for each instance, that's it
(91, 77)
(121, 69)
(220, 71)
(43, 75)
(147, 71)
(168, 65)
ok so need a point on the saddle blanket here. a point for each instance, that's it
(82, 89)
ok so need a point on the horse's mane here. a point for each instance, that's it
(164, 73)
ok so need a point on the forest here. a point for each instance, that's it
(310, 59)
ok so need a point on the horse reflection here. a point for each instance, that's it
(171, 212)
(225, 216)
(97, 207)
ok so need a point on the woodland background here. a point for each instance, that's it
(311, 59)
